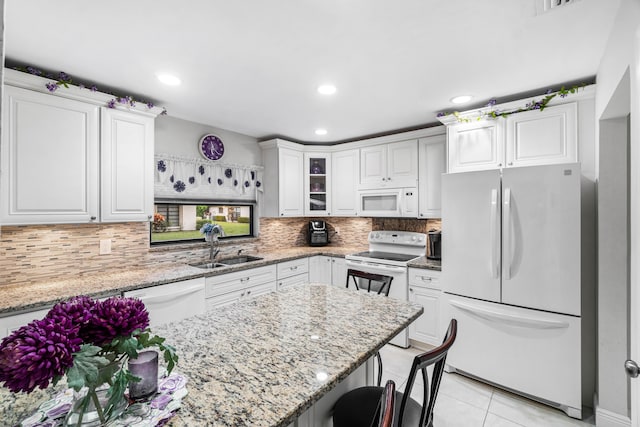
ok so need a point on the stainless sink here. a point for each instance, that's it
(209, 265)
(239, 260)
(226, 262)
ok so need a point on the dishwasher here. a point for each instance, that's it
(172, 302)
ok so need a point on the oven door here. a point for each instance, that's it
(399, 287)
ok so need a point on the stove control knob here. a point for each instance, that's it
(414, 238)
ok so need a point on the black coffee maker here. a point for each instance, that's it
(318, 234)
(434, 238)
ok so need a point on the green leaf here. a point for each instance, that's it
(85, 369)
(170, 357)
(116, 392)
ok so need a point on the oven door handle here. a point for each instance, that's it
(378, 267)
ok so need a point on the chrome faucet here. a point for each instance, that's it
(216, 231)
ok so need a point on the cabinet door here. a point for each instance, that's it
(49, 159)
(402, 164)
(320, 269)
(344, 182)
(425, 328)
(476, 146)
(542, 137)
(127, 166)
(317, 184)
(432, 161)
(291, 181)
(338, 272)
(373, 167)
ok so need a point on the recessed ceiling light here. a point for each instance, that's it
(168, 79)
(321, 131)
(461, 99)
(327, 89)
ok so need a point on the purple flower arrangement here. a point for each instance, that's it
(63, 79)
(86, 340)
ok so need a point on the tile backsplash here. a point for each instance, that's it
(36, 253)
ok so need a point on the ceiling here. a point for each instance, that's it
(253, 66)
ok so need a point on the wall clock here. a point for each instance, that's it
(211, 147)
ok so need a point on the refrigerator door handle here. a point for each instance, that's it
(512, 319)
(507, 234)
(494, 235)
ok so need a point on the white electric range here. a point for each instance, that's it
(389, 253)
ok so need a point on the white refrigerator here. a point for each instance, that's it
(511, 276)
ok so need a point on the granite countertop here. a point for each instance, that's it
(424, 262)
(21, 298)
(257, 362)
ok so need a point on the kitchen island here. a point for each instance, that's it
(268, 360)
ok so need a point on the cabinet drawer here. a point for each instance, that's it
(425, 278)
(221, 300)
(299, 279)
(292, 268)
(259, 290)
(217, 285)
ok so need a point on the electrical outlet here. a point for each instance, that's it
(337, 229)
(105, 246)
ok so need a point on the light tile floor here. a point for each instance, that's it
(464, 402)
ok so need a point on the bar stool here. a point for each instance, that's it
(358, 407)
(380, 282)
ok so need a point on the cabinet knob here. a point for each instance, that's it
(510, 163)
(499, 164)
(384, 179)
(149, 216)
(389, 178)
(410, 289)
(281, 214)
(248, 292)
(93, 218)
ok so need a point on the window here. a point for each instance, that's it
(178, 222)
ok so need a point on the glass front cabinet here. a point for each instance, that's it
(317, 167)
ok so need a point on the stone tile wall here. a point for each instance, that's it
(35, 253)
(282, 233)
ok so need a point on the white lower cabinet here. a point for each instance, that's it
(425, 289)
(11, 323)
(327, 269)
(172, 302)
(292, 273)
(228, 288)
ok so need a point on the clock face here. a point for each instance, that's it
(211, 147)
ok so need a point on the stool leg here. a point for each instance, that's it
(379, 368)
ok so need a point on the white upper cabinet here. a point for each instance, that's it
(127, 166)
(283, 179)
(49, 159)
(344, 177)
(392, 165)
(65, 158)
(475, 146)
(317, 184)
(432, 161)
(527, 138)
(542, 137)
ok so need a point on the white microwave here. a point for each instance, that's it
(392, 202)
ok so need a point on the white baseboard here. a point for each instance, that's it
(606, 418)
